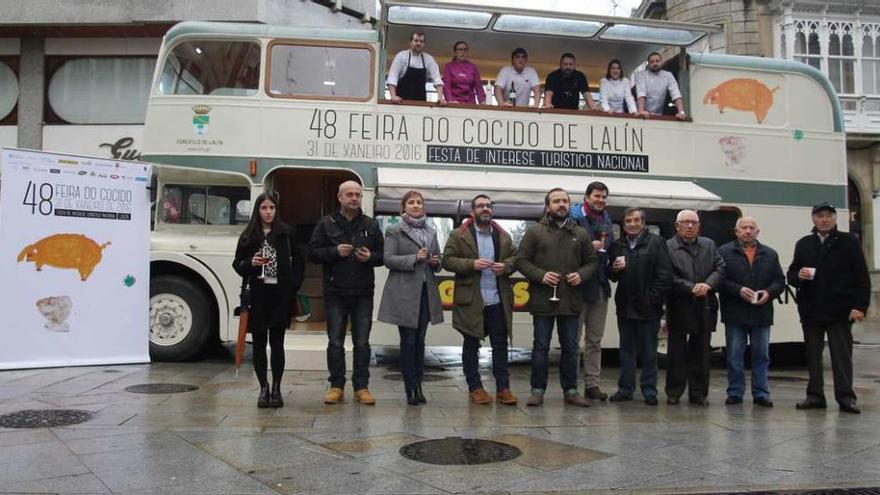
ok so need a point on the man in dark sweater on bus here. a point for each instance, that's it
(350, 245)
(833, 290)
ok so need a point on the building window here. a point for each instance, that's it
(871, 62)
(841, 58)
(324, 72)
(8, 92)
(98, 90)
(806, 44)
(218, 68)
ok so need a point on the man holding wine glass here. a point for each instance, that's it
(556, 256)
(592, 216)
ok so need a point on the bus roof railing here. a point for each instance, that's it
(252, 30)
(474, 17)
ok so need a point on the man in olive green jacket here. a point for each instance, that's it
(556, 256)
(481, 254)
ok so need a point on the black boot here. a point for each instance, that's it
(411, 398)
(275, 399)
(263, 399)
(418, 393)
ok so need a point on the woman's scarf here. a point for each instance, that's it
(418, 226)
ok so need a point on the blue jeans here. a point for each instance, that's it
(759, 340)
(495, 326)
(359, 309)
(567, 326)
(638, 339)
(412, 344)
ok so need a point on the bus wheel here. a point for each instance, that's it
(180, 318)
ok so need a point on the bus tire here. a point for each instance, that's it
(180, 318)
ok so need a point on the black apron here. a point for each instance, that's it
(412, 85)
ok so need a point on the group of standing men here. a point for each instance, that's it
(570, 257)
(518, 84)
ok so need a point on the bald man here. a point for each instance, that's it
(692, 309)
(350, 245)
(753, 278)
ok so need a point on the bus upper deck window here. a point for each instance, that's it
(220, 68)
(326, 72)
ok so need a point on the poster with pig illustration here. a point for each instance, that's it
(74, 258)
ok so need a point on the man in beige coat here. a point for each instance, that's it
(481, 254)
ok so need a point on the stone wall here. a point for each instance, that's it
(747, 24)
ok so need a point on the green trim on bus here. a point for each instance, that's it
(775, 65)
(731, 191)
(224, 29)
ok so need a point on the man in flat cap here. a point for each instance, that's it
(833, 291)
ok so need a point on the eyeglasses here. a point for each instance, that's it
(688, 223)
(480, 206)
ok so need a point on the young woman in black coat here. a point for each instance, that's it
(267, 259)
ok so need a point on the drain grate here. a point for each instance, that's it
(785, 378)
(44, 418)
(427, 377)
(161, 388)
(459, 451)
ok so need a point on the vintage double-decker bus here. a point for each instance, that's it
(236, 109)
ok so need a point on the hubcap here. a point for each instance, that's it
(170, 319)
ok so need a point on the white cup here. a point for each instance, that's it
(622, 260)
(755, 297)
(812, 272)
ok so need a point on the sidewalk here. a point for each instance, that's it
(214, 439)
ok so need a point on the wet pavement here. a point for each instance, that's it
(214, 440)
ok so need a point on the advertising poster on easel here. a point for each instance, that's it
(74, 260)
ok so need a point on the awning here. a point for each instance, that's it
(509, 187)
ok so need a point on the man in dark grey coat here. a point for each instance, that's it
(692, 309)
(833, 290)
(753, 278)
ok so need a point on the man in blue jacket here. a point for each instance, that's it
(592, 216)
(833, 290)
(753, 278)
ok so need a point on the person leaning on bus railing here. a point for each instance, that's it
(652, 85)
(411, 298)
(482, 256)
(592, 216)
(752, 279)
(517, 82)
(461, 78)
(349, 245)
(556, 256)
(411, 69)
(643, 272)
(615, 91)
(564, 86)
(266, 256)
(833, 291)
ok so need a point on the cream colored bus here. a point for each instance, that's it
(236, 109)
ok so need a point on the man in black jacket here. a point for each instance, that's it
(833, 290)
(692, 310)
(350, 245)
(643, 274)
(753, 278)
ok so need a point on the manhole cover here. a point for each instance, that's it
(427, 377)
(782, 378)
(459, 451)
(44, 418)
(161, 388)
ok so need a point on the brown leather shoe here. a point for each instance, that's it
(577, 400)
(595, 393)
(506, 397)
(535, 400)
(480, 396)
(334, 396)
(365, 397)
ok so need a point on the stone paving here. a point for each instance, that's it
(214, 439)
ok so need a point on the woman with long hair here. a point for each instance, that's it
(461, 78)
(267, 259)
(615, 90)
(411, 299)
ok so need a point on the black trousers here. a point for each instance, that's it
(687, 364)
(840, 343)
